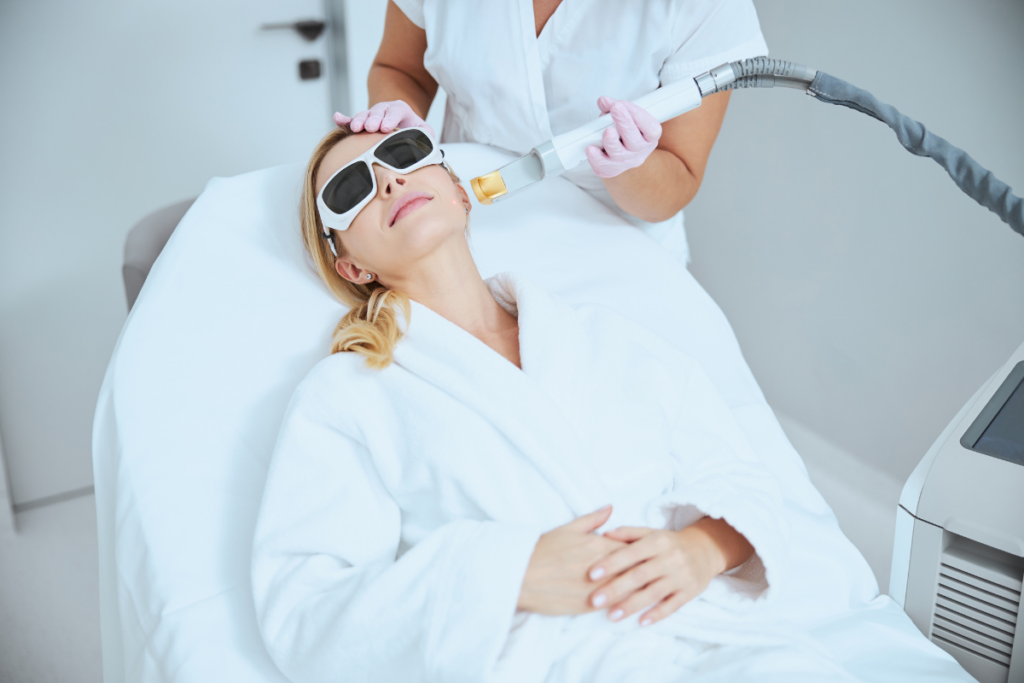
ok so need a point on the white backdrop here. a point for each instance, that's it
(112, 109)
(871, 297)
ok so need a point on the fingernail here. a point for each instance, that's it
(599, 599)
(597, 573)
(616, 615)
(646, 622)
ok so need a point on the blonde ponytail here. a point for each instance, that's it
(370, 327)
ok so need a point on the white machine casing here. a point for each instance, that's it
(958, 556)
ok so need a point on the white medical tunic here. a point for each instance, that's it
(512, 89)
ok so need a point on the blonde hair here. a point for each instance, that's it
(371, 325)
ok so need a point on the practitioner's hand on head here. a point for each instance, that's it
(628, 143)
(556, 580)
(383, 117)
(662, 568)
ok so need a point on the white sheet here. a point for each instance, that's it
(229, 322)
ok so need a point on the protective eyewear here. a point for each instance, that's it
(353, 185)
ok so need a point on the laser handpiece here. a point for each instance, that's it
(568, 150)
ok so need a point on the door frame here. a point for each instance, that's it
(7, 517)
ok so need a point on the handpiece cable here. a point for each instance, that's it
(974, 180)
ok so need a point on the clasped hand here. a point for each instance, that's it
(574, 571)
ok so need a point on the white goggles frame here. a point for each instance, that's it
(341, 221)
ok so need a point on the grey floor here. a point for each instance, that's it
(49, 603)
(49, 596)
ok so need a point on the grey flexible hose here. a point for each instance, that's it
(975, 181)
(759, 72)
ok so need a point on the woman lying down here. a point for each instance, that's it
(484, 483)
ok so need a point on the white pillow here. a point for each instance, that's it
(230, 320)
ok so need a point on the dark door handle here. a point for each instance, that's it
(310, 29)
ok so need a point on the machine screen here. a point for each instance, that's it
(1004, 436)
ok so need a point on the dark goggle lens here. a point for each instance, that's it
(405, 149)
(348, 188)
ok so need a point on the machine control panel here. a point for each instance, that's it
(998, 431)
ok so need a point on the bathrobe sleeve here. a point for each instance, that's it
(334, 601)
(717, 473)
(721, 476)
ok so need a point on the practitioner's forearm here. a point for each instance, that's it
(386, 84)
(728, 547)
(656, 190)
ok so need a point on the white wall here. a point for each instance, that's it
(110, 109)
(870, 296)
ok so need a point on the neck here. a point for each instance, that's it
(448, 283)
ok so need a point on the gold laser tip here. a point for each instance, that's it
(488, 187)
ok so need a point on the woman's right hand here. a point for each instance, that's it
(383, 117)
(556, 580)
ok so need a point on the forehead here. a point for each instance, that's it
(344, 152)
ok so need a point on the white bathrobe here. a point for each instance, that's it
(402, 507)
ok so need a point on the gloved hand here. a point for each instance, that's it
(628, 143)
(383, 117)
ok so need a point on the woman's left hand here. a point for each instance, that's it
(669, 568)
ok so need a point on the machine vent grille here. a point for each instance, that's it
(977, 603)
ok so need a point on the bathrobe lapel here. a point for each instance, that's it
(532, 407)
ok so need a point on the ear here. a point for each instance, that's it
(464, 197)
(351, 271)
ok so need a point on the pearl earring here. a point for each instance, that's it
(369, 276)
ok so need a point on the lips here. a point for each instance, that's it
(406, 204)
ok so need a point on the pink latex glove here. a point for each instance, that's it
(383, 117)
(628, 143)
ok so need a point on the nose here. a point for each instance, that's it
(387, 181)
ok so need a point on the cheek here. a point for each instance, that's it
(439, 182)
(448, 199)
(368, 219)
(363, 238)
(449, 211)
